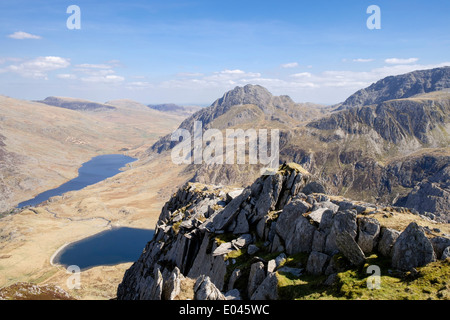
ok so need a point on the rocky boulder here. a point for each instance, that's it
(412, 249)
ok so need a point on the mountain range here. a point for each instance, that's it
(355, 149)
(383, 153)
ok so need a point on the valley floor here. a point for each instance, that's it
(30, 238)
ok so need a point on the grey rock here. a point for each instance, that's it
(439, 245)
(271, 265)
(234, 194)
(286, 220)
(412, 249)
(261, 228)
(314, 187)
(243, 241)
(316, 215)
(172, 286)
(220, 220)
(157, 288)
(318, 243)
(445, 253)
(268, 289)
(297, 272)
(256, 277)
(233, 294)
(369, 230)
(269, 196)
(302, 237)
(241, 223)
(235, 275)
(316, 262)
(252, 249)
(327, 204)
(276, 245)
(280, 259)
(343, 221)
(331, 279)
(387, 240)
(204, 289)
(223, 249)
(349, 248)
(204, 263)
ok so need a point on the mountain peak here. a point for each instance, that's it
(249, 94)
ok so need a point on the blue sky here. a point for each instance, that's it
(191, 52)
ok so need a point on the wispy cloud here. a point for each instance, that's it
(66, 76)
(189, 74)
(401, 61)
(363, 60)
(98, 73)
(20, 35)
(290, 65)
(301, 75)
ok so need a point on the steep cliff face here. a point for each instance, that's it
(399, 87)
(214, 243)
(395, 121)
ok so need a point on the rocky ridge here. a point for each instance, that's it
(213, 243)
(399, 87)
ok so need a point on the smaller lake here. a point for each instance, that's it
(110, 247)
(95, 170)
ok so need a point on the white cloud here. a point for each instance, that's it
(93, 66)
(20, 35)
(301, 75)
(401, 61)
(98, 73)
(237, 71)
(363, 60)
(110, 78)
(67, 76)
(189, 74)
(290, 65)
(38, 68)
(139, 85)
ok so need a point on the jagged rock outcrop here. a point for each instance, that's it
(196, 239)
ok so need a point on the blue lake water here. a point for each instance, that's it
(91, 172)
(110, 247)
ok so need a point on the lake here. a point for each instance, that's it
(95, 170)
(110, 247)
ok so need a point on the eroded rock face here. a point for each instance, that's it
(402, 86)
(200, 234)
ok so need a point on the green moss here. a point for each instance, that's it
(176, 226)
(431, 282)
(305, 287)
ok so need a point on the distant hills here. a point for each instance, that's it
(76, 104)
(174, 108)
(85, 105)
